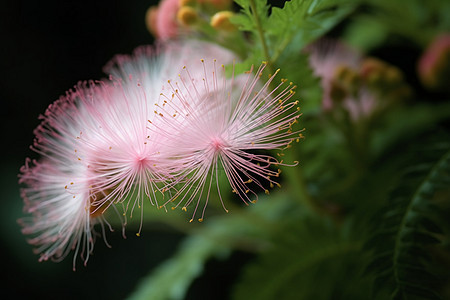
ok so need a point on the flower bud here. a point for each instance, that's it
(150, 20)
(372, 70)
(434, 65)
(381, 75)
(161, 20)
(384, 79)
(348, 80)
(221, 21)
(187, 2)
(187, 16)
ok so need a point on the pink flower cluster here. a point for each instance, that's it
(165, 123)
(358, 86)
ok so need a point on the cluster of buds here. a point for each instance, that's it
(172, 18)
(360, 86)
(376, 80)
(386, 80)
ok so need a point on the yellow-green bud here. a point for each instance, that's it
(221, 21)
(150, 20)
(347, 79)
(187, 2)
(187, 16)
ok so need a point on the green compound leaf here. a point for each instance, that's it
(301, 22)
(410, 226)
(283, 32)
(252, 13)
(253, 19)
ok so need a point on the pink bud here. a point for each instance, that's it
(435, 63)
(166, 19)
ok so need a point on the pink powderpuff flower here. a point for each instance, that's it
(326, 57)
(354, 85)
(61, 219)
(123, 155)
(169, 58)
(214, 125)
(138, 91)
(140, 87)
(97, 151)
(57, 192)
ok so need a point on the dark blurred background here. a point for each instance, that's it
(46, 48)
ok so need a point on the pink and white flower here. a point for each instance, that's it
(326, 57)
(216, 123)
(57, 192)
(96, 151)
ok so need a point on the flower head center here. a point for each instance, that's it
(217, 144)
(142, 162)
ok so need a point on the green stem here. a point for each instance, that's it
(261, 36)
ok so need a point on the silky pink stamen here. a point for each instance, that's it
(212, 126)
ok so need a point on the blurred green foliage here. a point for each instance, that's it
(346, 224)
(365, 215)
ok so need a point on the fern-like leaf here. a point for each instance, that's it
(252, 13)
(409, 226)
(301, 22)
(287, 30)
